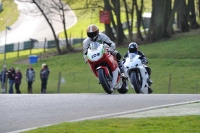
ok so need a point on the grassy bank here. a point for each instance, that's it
(179, 56)
(181, 124)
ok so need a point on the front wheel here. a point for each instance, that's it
(136, 81)
(104, 81)
(124, 88)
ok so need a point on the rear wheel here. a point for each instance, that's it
(104, 81)
(136, 81)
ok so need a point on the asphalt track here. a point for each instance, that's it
(25, 111)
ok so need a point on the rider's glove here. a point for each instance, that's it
(110, 49)
(144, 61)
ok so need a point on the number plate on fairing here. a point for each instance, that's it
(95, 54)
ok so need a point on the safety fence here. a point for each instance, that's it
(31, 44)
(86, 82)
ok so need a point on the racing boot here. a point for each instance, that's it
(121, 67)
(150, 90)
(149, 81)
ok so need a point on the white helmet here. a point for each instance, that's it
(92, 31)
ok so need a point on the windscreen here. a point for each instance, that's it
(94, 45)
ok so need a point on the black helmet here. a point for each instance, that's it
(132, 47)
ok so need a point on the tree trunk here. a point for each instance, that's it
(183, 16)
(156, 27)
(171, 19)
(139, 19)
(192, 15)
(127, 21)
(167, 12)
(108, 29)
(119, 29)
(52, 29)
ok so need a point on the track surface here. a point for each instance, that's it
(24, 111)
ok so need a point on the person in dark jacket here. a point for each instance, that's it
(3, 78)
(133, 48)
(30, 77)
(44, 74)
(18, 78)
(11, 76)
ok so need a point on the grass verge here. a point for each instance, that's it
(177, 124)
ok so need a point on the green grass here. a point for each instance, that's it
(9, 14)
(178, 124)
(178, 56)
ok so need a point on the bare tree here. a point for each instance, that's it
(128, 21)
(50, 8)
(59, 8)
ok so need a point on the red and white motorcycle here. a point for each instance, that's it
(105, 67)
(136, 73)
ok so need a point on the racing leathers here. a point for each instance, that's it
(103, 39)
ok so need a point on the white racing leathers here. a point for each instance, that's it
(101, 38)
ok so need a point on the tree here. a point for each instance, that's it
(156, 27)
(139, 18)
(192, 15)
(59, 7)
(108, 29)
(119, 29)
(182, 19)
(129, 21)
(48, 9)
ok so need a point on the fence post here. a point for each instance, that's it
(59, 78)
(45, 40)
(170, 81)
(18, 49)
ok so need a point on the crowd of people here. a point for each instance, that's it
(13, 76)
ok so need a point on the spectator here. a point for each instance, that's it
(30, 77)
(3, 78)
(18, 78)
(44, 74)
(11, 76)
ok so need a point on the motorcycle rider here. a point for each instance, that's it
(94, 36)
(133, 48)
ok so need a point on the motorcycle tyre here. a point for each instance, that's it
(123, 89)
(135, 82)
(104, 83)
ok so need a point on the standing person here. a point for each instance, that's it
(11, 76)
(44, 74)
(94, 36)
(3, 79)
(18, 78)
(30, 77)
